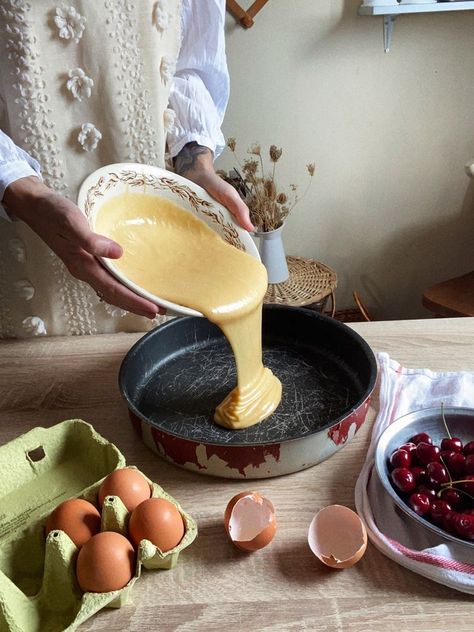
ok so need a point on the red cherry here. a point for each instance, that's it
(449, 521)
(403, 479)
(469, 512)
(437, 474)
(400, 458)
(439, 508)
(464, 525)
(427, 491)
(420, 503)
(468, 484)
(409, 447)
(446, 454)
(452, 497)
(453, 444)
(420, 474)
(427, 453)
(455, 463)
(421, 437)
(469, 464)
(469, 448)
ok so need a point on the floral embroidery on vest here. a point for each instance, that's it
(133, 97)
(89, 137)
(24, 289)
(161, 15)
(70, 23)
(167, 69)
(169, 117)
(38, 137)
(17, 249)
(7, 326)
(115, 312)
(79, 84)
(34, 326)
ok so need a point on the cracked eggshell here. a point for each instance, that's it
(249, 520)
(337, 536)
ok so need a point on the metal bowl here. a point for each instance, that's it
(460, 422)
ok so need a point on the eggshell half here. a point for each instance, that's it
(337, 536)
(249, 520)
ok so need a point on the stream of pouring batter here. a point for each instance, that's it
(172, 254)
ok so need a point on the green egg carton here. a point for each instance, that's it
(40, 469)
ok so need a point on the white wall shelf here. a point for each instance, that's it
(390, 12)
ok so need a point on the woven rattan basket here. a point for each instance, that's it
(309, 282)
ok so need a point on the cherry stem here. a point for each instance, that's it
(446, 467)
(444, 420)
(463, 480)
(461, 491)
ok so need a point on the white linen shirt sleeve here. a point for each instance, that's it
(200, 88)
(14, 164)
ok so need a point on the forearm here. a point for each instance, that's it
(194, 162)
(22, 197)
(15, 165)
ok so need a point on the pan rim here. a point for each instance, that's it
(369, 354)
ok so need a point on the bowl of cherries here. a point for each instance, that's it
(425, 461)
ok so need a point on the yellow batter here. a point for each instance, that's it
(172, 254)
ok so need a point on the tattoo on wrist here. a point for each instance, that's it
(188, 157)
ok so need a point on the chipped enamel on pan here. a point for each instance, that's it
(175, 375)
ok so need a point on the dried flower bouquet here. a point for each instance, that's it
(268, 207)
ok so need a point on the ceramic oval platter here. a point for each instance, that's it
(114, 179)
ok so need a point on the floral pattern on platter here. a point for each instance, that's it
(70, 23)
(89, 137)
(79, 84)
(161, 16)
(131, 178)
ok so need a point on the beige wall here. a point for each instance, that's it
(390, 208)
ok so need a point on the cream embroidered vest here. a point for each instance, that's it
(83, 84)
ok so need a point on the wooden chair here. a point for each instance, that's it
(451, 298)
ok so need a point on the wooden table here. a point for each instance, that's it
(214, 586)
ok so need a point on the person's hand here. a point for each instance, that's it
(66, 231)
(195, 162)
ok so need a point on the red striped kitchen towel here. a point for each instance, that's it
(402, 391)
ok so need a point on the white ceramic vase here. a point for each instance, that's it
(272, 254)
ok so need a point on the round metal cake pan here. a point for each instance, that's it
(173, 378)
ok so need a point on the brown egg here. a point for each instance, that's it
(337, 536)
(128, 484)
(105, 563)
(249, 520)
(159, 521)
(76, 517)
